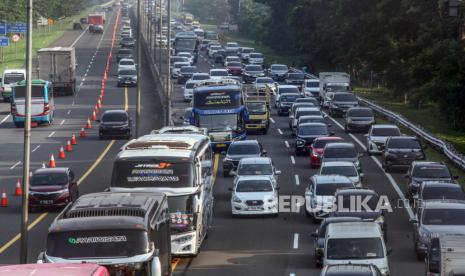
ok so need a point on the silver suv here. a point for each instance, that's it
(377, 136)
(257, 166)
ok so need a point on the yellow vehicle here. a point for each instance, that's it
(258, 106)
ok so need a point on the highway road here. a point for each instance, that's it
(92, 158)
(242, 246)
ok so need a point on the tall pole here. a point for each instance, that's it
(139, 68)
(168, 69)
(159, 42)
(27, 137)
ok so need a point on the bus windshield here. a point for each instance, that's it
(37, 92)
(185, 44)
(218, 122)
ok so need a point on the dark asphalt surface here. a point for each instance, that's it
(245, 246)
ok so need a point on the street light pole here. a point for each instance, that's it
(159, 42)
(139, 65)
(168, 69)
(27, 137)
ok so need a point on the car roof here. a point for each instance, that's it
(312, 80)
(443, 204)
(330, 138)
(342, 269)
(312, 124)
(253, 177)
(218, 70)
(182, 62)
(287, 86)
(311, 117)
(330, 179)
(403, 138)
(429, 163)
(384, 126)
(255, 160)
(126, 59)
(307, 108)
(357, 191)
(53, 269)
(329, 220)
(340, 145)
(337, 164)
(245, 142)
(115, 111)
(360, 108)
(444, 184)
(200, 74)
(359, 229)
(290, 94)
(52, 170)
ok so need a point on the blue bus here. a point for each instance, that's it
(42, 102)
(219, 107)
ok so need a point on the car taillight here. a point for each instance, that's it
(46, 108)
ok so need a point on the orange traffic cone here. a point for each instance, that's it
(96, 110)
(52, 163)
(99, 103)
(4, 200)
(73, 139)
(19, 189)
(88, 125)
(61, 153)
(82, 133)
(68, 146)
(94, 116)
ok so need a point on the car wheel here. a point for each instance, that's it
(386, 168)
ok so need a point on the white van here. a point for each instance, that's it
(9, 77)
(356, 243)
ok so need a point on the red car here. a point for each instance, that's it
(234, 68)
(52, 187)
(316, 150)
(56, 269)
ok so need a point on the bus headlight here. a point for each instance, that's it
(184, 239)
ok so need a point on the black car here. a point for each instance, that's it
(320, 236)
(286, 101)
(420, 171)
(238, 150)
(251, 72)
(124, 53)
(186, 73)
(115, 123)
(340, 102)
(359, 119)
(401, 151)
(52, 187)
(127, 42)
(306, 134)
(437, 190)
(127, 77)
(219, 56)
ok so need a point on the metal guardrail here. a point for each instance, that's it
(443, 147)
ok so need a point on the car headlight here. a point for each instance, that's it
(236, 199)
(380, 220)
(357, 164)
(263, 121)
(424, 236)
(384, 271)
(272, 199)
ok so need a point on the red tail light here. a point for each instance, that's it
(46, 108)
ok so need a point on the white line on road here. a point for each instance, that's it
(83, 79)
(36, 148)
(4, 119)
(15, 165)
(292, 274)
(292, 159)
(62, 122)
(69, 112)
(79, 37)
(280, 131)
(297, 180)
(287, 144)
(51, 134)
(296, 241)
(81, 83)
(272, 120)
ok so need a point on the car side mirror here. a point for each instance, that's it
(264, 152)
(98, 121)
(413, 221)
(233, 173)
(230, 189)
(362, 175)
(277, 188)
(389, 250)
(277, 172)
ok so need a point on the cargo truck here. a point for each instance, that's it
(333, 82)
(97, 18)
(58, 65)
(446, 256)
(258, 104)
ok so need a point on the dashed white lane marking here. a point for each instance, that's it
(287, 144)
(83, 79)
(81, 83)
(51, 134)
(296, 241)
(280, 131)
(15, 165)
(62, 122)
(4, 119)
(36, 148)
(292, 274)
(272, 120)
(69, 112)
(297, 179)
(292, 159)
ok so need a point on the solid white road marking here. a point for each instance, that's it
(4, 119)
(51, 134)
(69, 112)
(280, 131)
(292, 274)
(15, 165)
(297, 180)
(287, 144)
(36, 148)
(272, 120)
(292, 159)
(62, 122)
(79, 37)
(296, 241)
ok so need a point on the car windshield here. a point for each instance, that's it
(188, 69)
(289, 98)
(437, 192)
(305, 130)
(329, 189)
(114, 117)
(265, 80)
(219, 122)
(312, 84)
(250, 186)
(234, 64)
(359, 112)
(126, 62)
(315, 119)
(340, 152)
(256, 108)
(288, 90)
(404, 144)
(219, 73)
(255, 169)
(127, 72)
(348, 171)
(12, 78)
(344, 97)
(279, 67)
(247, 50)
(431, 172)
(253, 68)
(306, 113)
(296, 76)
(37, 92)
(370, 202)
(388, 131)
(127, 39)
(46, 179)
(256, 56)
(241, 149)
(321, 143)
(354, 248)
(432, 216)
(336, 88)
(190, 85)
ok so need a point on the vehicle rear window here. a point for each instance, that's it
(289, 98)
(437, 192)
(12, 78)
(265, 80)
(331, 188)
(340, 152)
(255, 169)
(128, 72)
(235, 149)
(256, 56)
(296, 76)
(404, 144)
(188, 69)
(431, 172)
(443, 216)
(253, 68)
(279, 67)
(312, 119)
(125, 51)
(312, 84)
(234, 64)
(200, 77)
(371, 200)
(344, 97)
(49, 179)
(114, 117)
(37, 92)
(349, 171)
(126, 62)
(219, 73)
(385, 132)
(305, 130)
(248, 186)
(97, 244)
(319, 144)
(288, 90)
(307, 112)
(359, 112)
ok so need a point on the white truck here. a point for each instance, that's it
(446, 256)
(58, 65)
(333, 82)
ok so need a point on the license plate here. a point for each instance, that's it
(255, 208)
(221, 145)
(46, 201)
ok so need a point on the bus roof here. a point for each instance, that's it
(34, 82)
